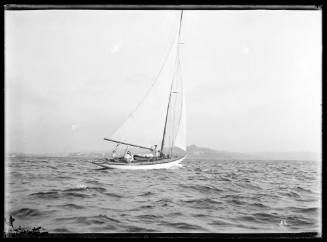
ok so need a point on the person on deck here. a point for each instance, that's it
(113, 154)
(156, 152)
(128, 157)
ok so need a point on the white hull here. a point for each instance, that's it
(135, 166)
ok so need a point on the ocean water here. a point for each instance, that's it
(72, 195)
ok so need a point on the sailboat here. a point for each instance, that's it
(156, 130)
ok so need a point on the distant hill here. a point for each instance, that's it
(194, 152)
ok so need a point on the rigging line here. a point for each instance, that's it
(170, 92)
(157, 76)
(171, 148)
(176, 71)
(182, 94)
(179, 74)
(170, 113)
(174, 108)
(166, 119)
(168, 143)
(154, 81)
(172, 119)
(175, 116)
(180, 24)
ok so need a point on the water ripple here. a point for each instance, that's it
(71, 195)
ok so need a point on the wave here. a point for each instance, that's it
(93, 182)
(290, 194)
(249, 186)
(307, 199)
(202, 202)
(65, 177)
(71, 206)
(164, 202)
(182, 225)
(52, 167)
(175, 214)
(71, 192)
(146, 207)
(99, 219)
(265, 195)
(311, 210)
(98, 189)
(17, 174)
(202, 188)
(75, 194)
(26, 213)
(266, 217)
(302, 221)
(113, 195)
(147, 194)
(237, 202)
(57, 195)
(148, 217)
(224, 179)
(46, 195)
(247, 218)
(260, 205)
(219, 222)
(301, 189)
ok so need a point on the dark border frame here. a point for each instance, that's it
(26, 7)
(157, 7)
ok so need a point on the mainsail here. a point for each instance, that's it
(153, 123)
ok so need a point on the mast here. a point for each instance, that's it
(171, 86)
(164, 133)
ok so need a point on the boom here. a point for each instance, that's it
(120, 142)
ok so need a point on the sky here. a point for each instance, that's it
(252, 78)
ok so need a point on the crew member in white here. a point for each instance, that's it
(128, 157)
(156, 152)
(113, 154)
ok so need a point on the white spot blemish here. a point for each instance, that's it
(115, 48)
(74, 127)
(246, 50)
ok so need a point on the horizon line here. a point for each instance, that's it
(203, 147)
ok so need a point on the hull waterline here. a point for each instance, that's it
(135, 166)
